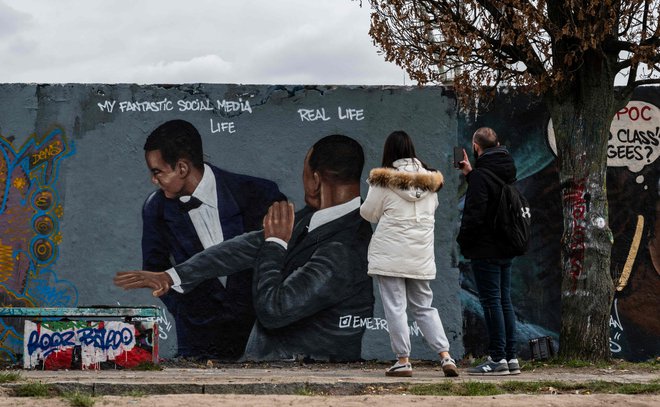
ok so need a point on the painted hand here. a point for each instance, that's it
(159, 282)
(278, 222)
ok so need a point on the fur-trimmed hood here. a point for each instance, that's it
(402, 200)
(408, 179)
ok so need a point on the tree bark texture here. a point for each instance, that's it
(582, 116)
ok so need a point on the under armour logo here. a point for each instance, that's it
(526, 212)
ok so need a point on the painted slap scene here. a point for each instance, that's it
(234, 211)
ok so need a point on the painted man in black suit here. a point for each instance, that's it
(197, 206)
(311, 289)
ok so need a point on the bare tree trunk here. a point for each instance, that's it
(581, 121)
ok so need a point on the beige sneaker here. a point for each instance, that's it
(399, 370)
(449, 367)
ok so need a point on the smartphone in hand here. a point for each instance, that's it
(458, 157)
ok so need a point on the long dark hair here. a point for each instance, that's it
(399, 145)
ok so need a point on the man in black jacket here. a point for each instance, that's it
(490, 257)
(311, 289)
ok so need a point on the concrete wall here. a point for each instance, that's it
(633, 178)
(74, 179)
(97, 178)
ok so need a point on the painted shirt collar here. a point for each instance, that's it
(205, 191)
(327, 215)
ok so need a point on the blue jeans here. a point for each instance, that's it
(493, 278)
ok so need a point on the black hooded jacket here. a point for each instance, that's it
(476, 237)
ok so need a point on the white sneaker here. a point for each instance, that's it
(449, 367)
(399, 370)
(514, 366)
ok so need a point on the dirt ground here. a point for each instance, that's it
(199, 400)
(273, 376)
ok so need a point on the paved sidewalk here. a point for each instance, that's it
(289, 379)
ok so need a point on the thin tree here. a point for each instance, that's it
(568, 52)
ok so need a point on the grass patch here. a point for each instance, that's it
(652, 364)
(147, 366)
(572, 363)
(436, 389)
(529, 387)
(456, 389)
(618, 364)
(481, 389)
(471, 388)
(637, 388)
(8, 377)
(305, 390)
(77, 399)
(33, 389)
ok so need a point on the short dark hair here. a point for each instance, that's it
(485, 137)
(338, 158)
(177, 139)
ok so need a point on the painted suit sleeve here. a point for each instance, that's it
(223, 259)
(316, 285)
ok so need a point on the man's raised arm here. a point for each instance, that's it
(223, 259)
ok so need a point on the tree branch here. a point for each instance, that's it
(527, 54)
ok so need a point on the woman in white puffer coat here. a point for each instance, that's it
(402, 199)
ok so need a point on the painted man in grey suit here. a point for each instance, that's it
(310, 275)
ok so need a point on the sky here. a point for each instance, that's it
(324, 42)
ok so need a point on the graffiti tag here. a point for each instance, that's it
(372, 324)
(164, 325)
(106, 339)
(47, 343)
(617, 330)
(183, 105)
(103, 339)
(312, 115)
(578, 200)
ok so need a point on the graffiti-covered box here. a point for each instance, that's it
(53, 345)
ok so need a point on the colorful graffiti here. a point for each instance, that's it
(89, 344)
(106, 183)
(30, 211)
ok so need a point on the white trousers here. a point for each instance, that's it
(397, 294)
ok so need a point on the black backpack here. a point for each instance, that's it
(513, 217)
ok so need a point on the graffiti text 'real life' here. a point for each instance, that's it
(312, 115)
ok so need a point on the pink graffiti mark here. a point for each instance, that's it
(575, 197)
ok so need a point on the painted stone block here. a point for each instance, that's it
(53, 345)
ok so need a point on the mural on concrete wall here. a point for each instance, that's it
(634, 201)
(89, 344)
(633, 183)
(70, 221)
(301, 293)
(214, 319)
(263, 132)
(30, 213)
